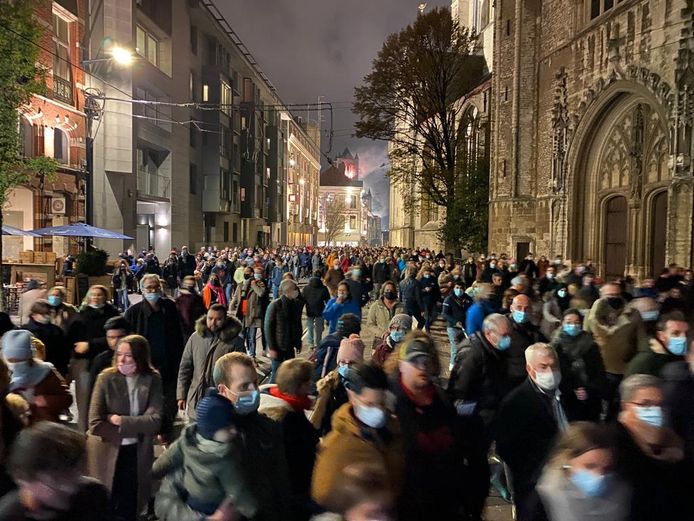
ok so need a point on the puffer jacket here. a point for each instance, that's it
(379, 315)
(202, 350)
(254, 292)
(316, 295)
(283, 326)
(209, 471)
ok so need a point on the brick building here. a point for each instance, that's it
(592, 132)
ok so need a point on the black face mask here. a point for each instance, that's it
(390, 295)
(246, 276)
(215, 283)
(615, 302)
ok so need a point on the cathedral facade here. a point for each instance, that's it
(592, 132)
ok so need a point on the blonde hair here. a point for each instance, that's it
(222, 368)
(292, 374)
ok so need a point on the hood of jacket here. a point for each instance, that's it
(231, 329)
(315, 282)
(201, 454)
(271, 406)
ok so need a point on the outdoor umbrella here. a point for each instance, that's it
(16, 232)
(79, 230)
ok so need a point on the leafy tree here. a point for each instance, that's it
(413, 99)
(20, 78)
(334, 218)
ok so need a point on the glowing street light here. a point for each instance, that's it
(122, 56)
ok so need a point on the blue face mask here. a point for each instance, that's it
(257, 276)
(426, 275)
(650, 316)
(343, 370)
(589, 483)
(152, 297)
(504, 343)
(248, 403)
(458, 292)
(518, 317)
(650, 415)
(677, 345)
(397, 336)
(54, 300)
(572, 329)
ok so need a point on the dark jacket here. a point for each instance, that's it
(359, 290)
(58, 348)
(455, 309)
(191, 307)
(652, 361)
(139, 316)
(410, 295)
(526, 431)
(581, 366)
(186, 265)
(660, 488)
(90, 503)
(522, 336)
(88, 326)
(316, 295)
(326, 355)
(10, 425)
(283, 326)
(479, 378)
(429, 291)
(382, 272)
(679, 390)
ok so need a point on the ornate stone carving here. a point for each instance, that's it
(560, 130)
(638, 133)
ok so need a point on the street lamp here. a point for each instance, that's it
(122, 56)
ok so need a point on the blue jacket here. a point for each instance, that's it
(333, 311)
(476, 314)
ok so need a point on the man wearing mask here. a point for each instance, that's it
(669, 344)
(258, 447)
(362, 431)
(283, 325)
(549, 281)
(382, 272)
(490, 270)
(61, 313)
(588, 291)
(54, 339)
(529, 419)
(455, 308)
(157, 319)
(618, 331)
(247, 306)
(476, 387)
(189, 304)
(469, 271)
(679, 400)
(523, 334)
(186, 263)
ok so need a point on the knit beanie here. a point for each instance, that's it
(16, 344)
(351, 349)
(348, 324)
(214, 412)
(401, 321)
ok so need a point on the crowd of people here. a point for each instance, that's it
(571, 395)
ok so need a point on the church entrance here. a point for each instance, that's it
(615, 237)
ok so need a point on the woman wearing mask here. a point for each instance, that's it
(87, 335)
(579, 483)
(339, 305)
(122, 281)
(553, 310)
(62, 313)
(383, 310)
(213, 293)
(400, 325)
(429, 295)
(36, 381)
(583, 373)
(124, 416)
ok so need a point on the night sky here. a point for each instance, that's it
(312, 48)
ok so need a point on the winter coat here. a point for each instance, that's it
(334, 310)
(522, 336)
(54, 390)
(679, 389)
(552, 316)
(476, 315)
(652, 361)
(283, 326)
(139, 316)
(213, 294)
(104, 439)
(359, 290)
(191, 307)
(253, 291)
(89, 503)
(58, 348)
(26, 300)
(208, 471)
(202, 351)
(326, 355)
(88, 326)
(261, 456)
(117, 280)
(332, 278)
(350, 442)
(316, 295)
(563, 501)
(410, 295)
(380, 316)
(581, 366)
(618, 334)
(430, 297)
(479, 379)
(382, 272)
(186, 265)
(455, 309)
(63, 315)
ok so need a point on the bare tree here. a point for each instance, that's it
(334, 218)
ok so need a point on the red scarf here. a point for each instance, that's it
(423, 398)
(298, 403)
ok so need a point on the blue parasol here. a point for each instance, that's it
(79, 230)
(16, 232)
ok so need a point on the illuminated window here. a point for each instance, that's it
(225, 98)
(147, 46)
(205, 93)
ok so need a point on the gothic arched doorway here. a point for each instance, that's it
(658, 232)
(615, 234)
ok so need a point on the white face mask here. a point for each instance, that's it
(548, 381)
(374, 417)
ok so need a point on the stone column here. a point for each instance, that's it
(680, 213)
(635, 241)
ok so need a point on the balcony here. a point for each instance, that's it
(62, 90)
(153, 186)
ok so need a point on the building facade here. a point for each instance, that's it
(592, 132)
(53, 125)
(303, 182)
(415, 220)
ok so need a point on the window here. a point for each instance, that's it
(225, 98)
(147, 46)
(225, 181)
(193, 178)
(205, 93)
(226, 231)
(235, 232)
(193, 39)
(60, 146)
(599, 7)
(353, 202)
(62, 73)
(223, 141)
(235, 195)
(353, 222)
